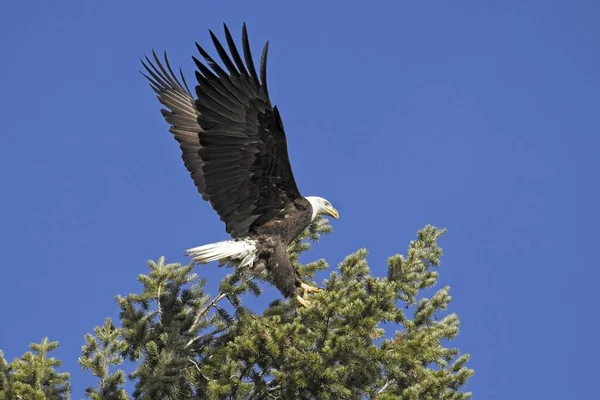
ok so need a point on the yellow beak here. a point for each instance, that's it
(333, 212)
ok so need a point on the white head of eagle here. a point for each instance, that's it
(321, 206)
(234, 147)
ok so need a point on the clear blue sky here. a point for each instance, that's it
(483, 117)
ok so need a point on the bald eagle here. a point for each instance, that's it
(234, 146)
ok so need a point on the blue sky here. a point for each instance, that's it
(483, 117)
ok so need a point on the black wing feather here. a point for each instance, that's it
(223, 54)
(235, 139)
(247, 170)
(248, 55)
(263, 68)
(234, 52)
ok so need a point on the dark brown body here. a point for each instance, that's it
(275, 236)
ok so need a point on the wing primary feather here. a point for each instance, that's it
(248, 54)
(168, 77)
(234, 52)
(184, 81)
(153, 84)
(155, 74)
(184, 86)
(211, 63)
(224, 56)
(263, 68)
(199, 77)
(162, 88)
(203, 69)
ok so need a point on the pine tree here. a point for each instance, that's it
(34, 375)
(361, 337)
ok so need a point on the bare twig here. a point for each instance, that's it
(211, 335)
(214, 301)
(158, 303)
(197, 367)
(388, 383)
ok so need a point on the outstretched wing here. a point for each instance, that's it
(245, 170)
(181, 113)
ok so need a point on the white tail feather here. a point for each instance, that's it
(238, 252)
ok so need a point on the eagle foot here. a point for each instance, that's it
(303, 302)
(309, 289)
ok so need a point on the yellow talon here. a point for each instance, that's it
(309, 289)
(303, 302)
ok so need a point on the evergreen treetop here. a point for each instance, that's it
(362, 337)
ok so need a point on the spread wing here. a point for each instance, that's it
(243, 165)
(180, 113)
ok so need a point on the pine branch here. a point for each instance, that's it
(100, 352)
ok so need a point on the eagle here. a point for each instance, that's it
(234, 146)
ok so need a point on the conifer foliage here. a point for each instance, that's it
(34, 375)
(361, 337)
